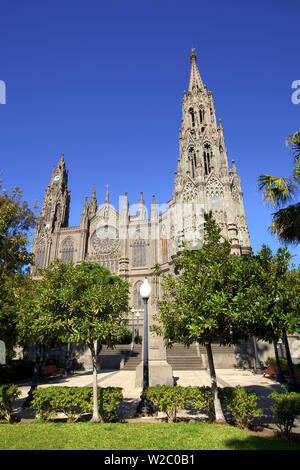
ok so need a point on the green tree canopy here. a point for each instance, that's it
(221, 297)
(16, 218)
(82, 304)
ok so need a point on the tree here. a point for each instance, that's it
(219, 297)
(82, 304)
(279, 191)
(16, 218)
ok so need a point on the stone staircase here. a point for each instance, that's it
(183, 358)
(132, 360)
(179, 357)
(195, 358)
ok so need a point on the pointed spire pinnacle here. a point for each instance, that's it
(93, 203)
(141, 201)
(195, 77)
(85, 205)
(107, 193)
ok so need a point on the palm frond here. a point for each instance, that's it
(294, 144)
(286, 224)
(276, 190)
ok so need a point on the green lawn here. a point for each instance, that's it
(38, 435)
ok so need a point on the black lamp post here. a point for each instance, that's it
(138, 327)
(132, 313)
(144, 406)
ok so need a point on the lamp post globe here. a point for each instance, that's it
(145, 289)
(144, 406)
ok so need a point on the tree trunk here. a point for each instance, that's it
(217, 404)
(35, 377)
(44, 359)
(95, 417)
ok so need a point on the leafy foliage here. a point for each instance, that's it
(241, 403)
(278, 191)
(16, 218)
(80, 304)
(286, 410)
(201, 398)
(168, 399)
(8, 394)
(75, 401)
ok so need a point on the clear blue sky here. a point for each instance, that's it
(103, 82)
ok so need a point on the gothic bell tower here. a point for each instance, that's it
(203, 175)
(56, 204)
(54, 216)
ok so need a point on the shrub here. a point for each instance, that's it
(241, 403)
(8, 394)
(76, 401)
(282, 361)
(168, 399)
(201, 398)
(286, 410)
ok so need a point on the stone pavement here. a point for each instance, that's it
(125, 379)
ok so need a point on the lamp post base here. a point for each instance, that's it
(145, 407)
(160, 373)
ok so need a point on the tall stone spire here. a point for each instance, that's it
(195, 77)
(203, 176)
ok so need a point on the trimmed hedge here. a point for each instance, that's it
(8, 394)
(76, 401)
(241, 403)
(286, 410)
(168, 399)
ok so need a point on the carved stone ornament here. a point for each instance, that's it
(105, 240)
(190, 192)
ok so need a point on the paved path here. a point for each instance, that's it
(262, 385)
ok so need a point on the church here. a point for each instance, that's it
(131, 244)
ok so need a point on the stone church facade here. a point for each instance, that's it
(130, 245)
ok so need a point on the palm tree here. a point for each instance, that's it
(280, 191)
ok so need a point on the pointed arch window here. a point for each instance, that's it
(201, 115)
(138, 302)
(207, 154)
(67, 250)
(40, 257)
(193, 160)
(191, 111)
(139, 253)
